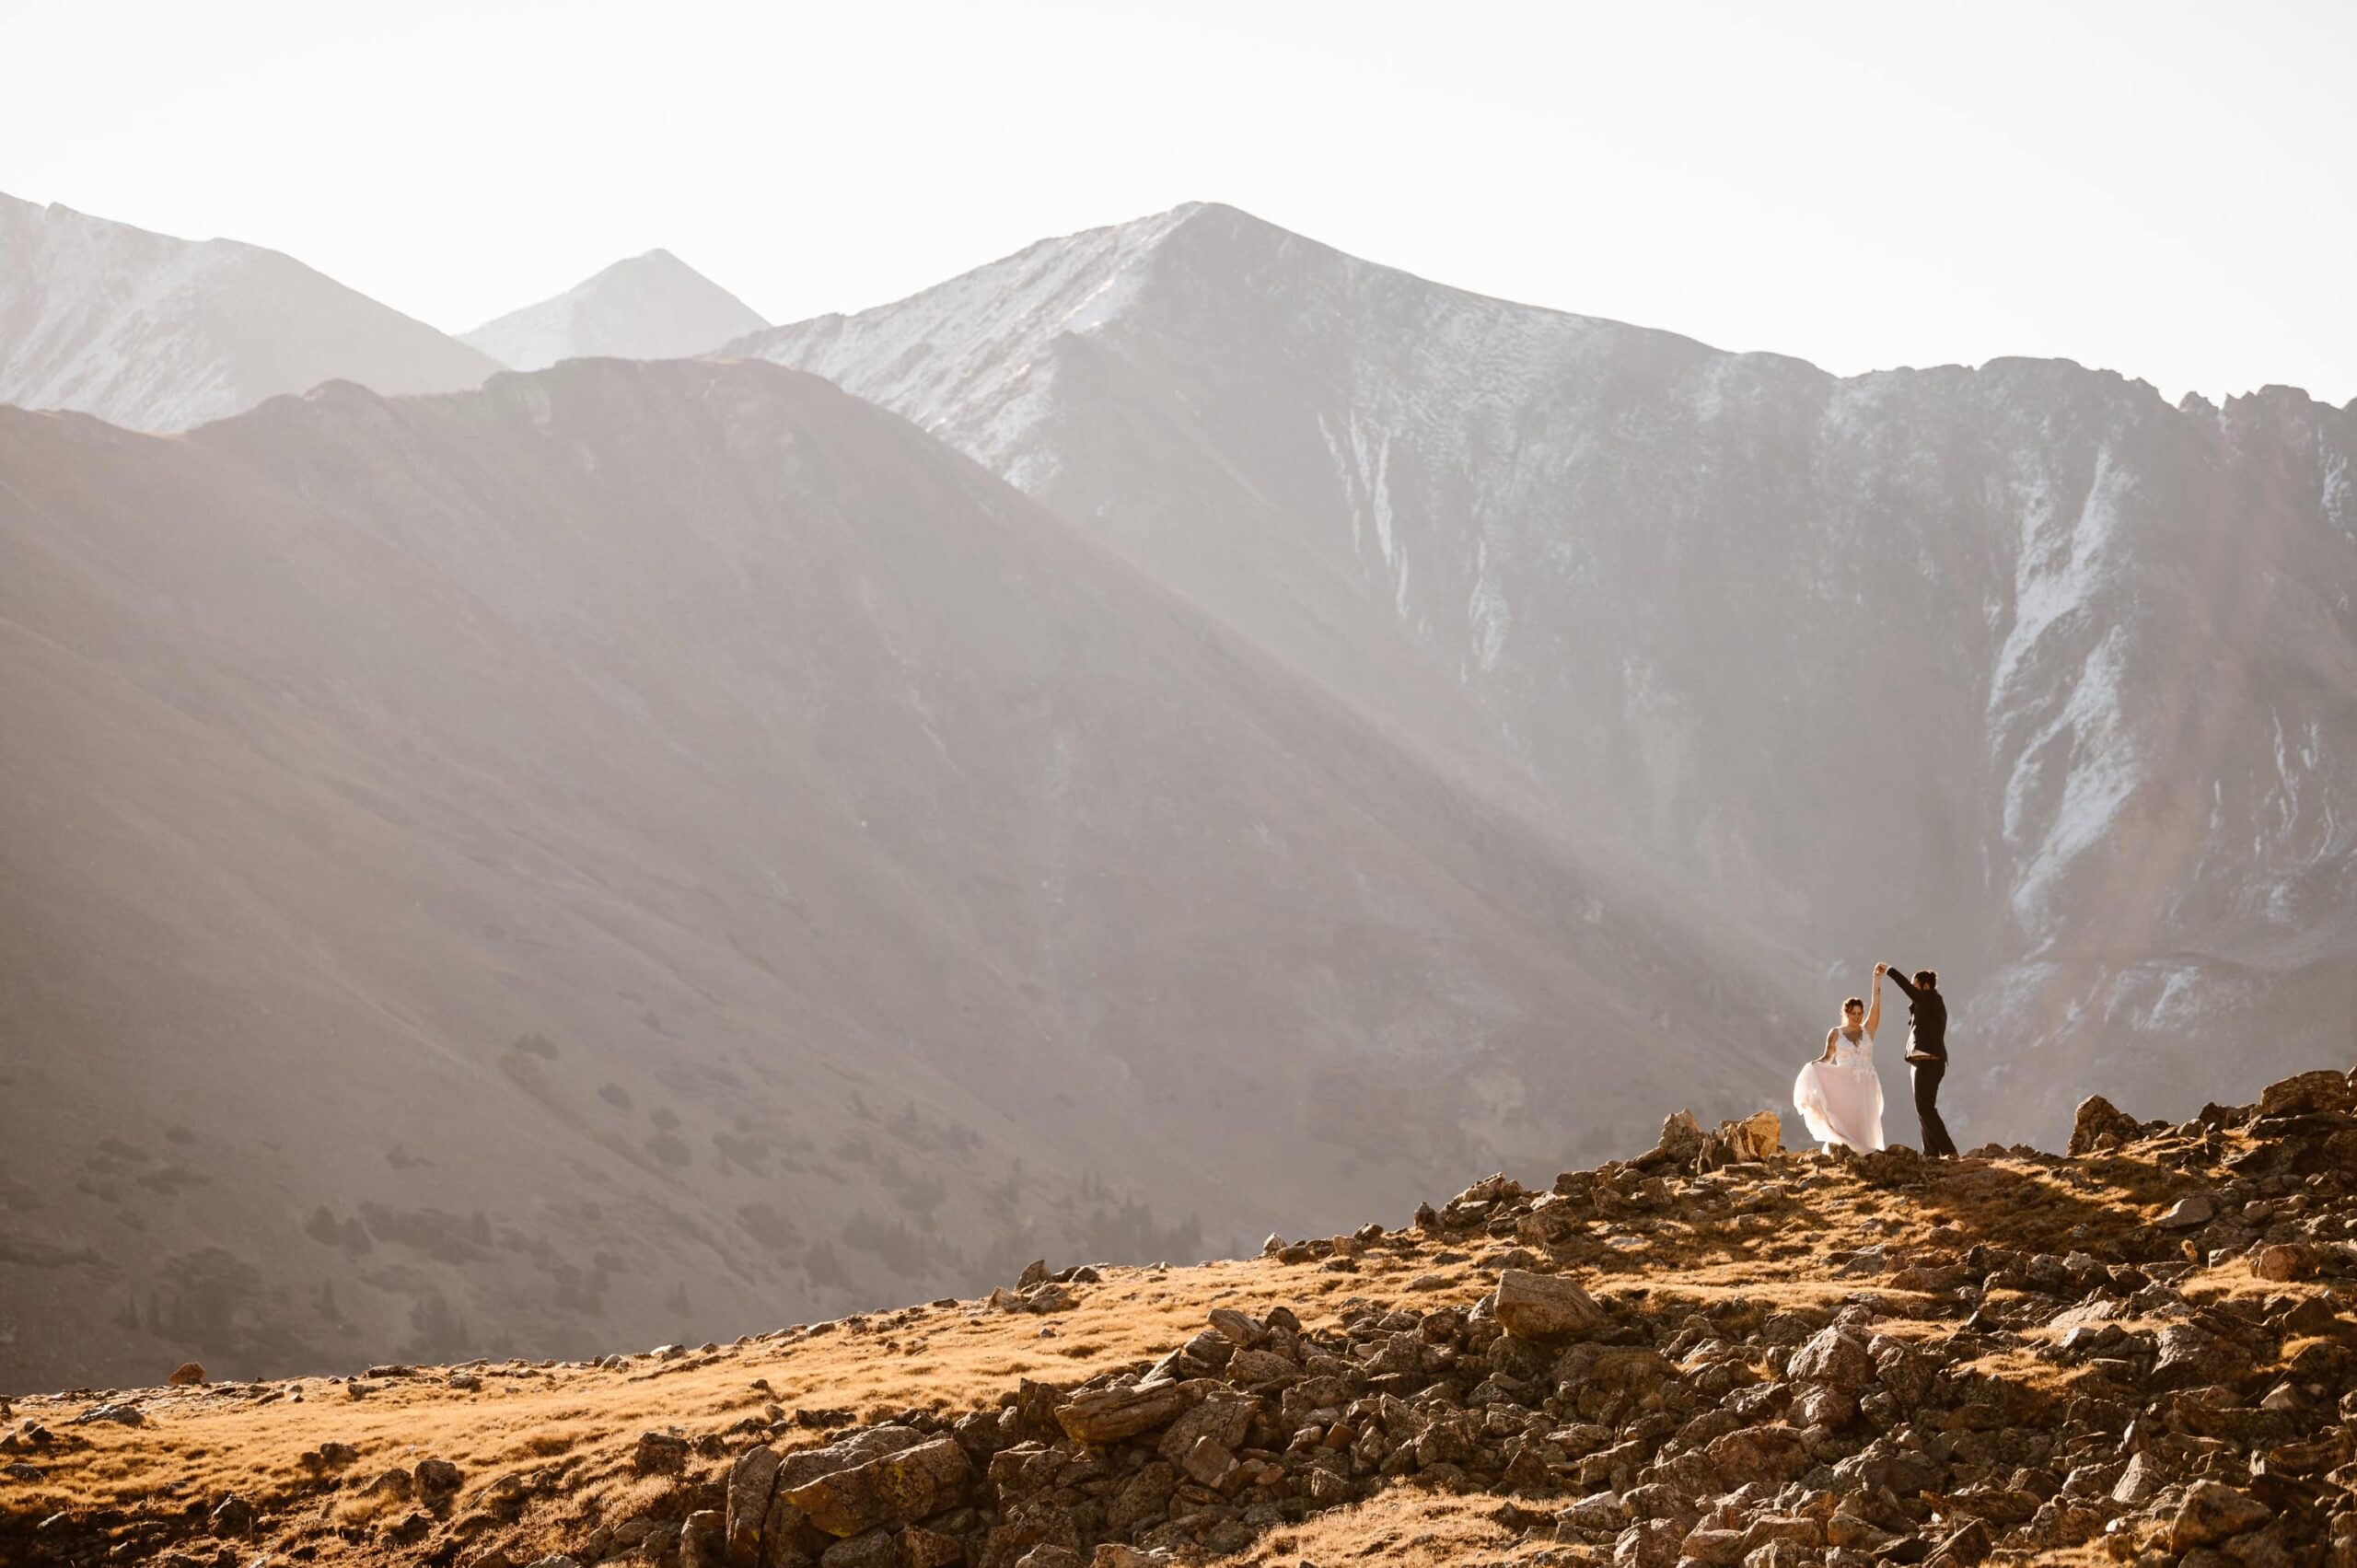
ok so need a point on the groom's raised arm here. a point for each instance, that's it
(1894, 973)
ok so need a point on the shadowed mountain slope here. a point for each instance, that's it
(636, 850)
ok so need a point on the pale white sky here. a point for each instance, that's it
(2165, 189)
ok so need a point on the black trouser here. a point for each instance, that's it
(1927, 1108)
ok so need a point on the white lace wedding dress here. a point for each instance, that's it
(1841, 1100)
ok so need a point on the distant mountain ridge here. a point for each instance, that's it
(2017, 673)
(649, 307)
(158, 333)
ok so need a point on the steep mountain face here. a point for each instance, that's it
(650, 306)
(642, 850)
(2017, 672)
(157, 333)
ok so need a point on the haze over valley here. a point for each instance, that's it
(636, 824)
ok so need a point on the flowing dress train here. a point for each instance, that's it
(1841, 1100)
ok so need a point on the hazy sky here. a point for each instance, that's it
(2164, 189)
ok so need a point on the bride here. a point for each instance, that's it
(1839, 1094)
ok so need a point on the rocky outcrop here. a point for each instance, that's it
(1956, 1393)
(1741, 1434)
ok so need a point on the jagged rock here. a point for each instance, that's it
(2308, 1094)
(1051, 1556)
(232, 1516)
(1964, 1548)
(921, 1481)
(803, 1466)
(702, 1540)
(2284, 1262)
(2098, 1124)
(2190, 1358)
(1759, 1136)
(922, 1548)
(1113, 1554)
(2188, 1212)
(871, 1549)
(1108, 1415)
(897, 1488)
(437, 1478)
(1680, 1141)
(120, 1412)
(2143, 1477)
(1242, 1331)
(2212, 1513)
(1544, 1306)
(1260, 1369)
(187, 1375)
(1771, 1454)
(1649, 1543)
(1223, 1417)
(750, 1481)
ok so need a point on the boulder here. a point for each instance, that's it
(806, 1465)
(232, 1516)
(1834, 1359)
(658, 1452)
(1545, 1307)
(919, 1483)
(2283, 1262)
(2189, 1213)
(2189, 1358)
(2211, 1513)
(437, 1478)
(187, 1375)
(2099, 1125)
(702, 1540)
(896, 1488)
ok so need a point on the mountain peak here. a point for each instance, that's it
(158, 333)
(650, 305)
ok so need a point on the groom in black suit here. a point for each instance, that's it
(1927, 1052)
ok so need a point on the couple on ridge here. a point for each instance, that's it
(1839, 1096)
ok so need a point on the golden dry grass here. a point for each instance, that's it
(564, 1433)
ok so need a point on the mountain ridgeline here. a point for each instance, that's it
(2018, 672)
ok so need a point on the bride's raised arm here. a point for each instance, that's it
(1873, 1003)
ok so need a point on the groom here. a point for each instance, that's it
(1927, 1050)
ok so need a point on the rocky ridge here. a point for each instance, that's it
(2160, 1373)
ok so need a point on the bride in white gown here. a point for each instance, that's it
(1840, 1094)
